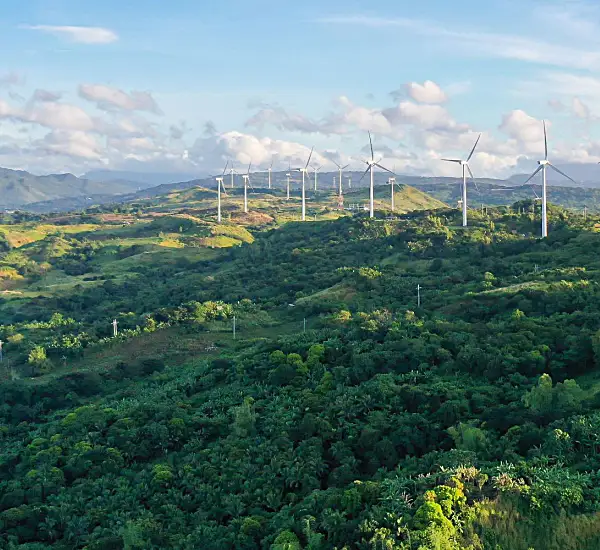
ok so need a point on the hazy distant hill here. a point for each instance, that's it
(143, 179)
(447, 190)
(19, 188)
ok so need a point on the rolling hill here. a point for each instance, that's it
(19, 188)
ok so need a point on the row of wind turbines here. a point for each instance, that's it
(371, 163)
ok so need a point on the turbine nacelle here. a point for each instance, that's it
(544, 162)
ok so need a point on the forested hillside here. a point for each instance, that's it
(341, 414)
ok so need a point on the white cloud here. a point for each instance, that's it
(428, 92)
(60, 116)
(580, 109)
(109, 98)
(76, 144)
(83, 35)
(487, 44)
(525, 129)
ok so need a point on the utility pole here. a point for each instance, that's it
(115, 330)
(418, 295)
(1, 353)
(234, 327)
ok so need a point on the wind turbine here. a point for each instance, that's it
(288, 176)
(465, 168)
(392, 181)
(232, 172)
(340, 169)
(270, 168)
(543, 166)
(246, 178)
(219, 185)
(316, 172)
(305, 174)
(370, 165)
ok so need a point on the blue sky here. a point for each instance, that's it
(497, 67)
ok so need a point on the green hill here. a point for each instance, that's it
(341, 414)
(19, 188)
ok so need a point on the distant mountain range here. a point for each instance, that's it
(19, 188)
(142, 178)
(62, 192)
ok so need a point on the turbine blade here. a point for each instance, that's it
(309, 157)
(366, 172)
(545, 141)
(539, 168)
(340, 166)
(384, 168)
(371, 144)
(561, 173)
(225, 169)
(344, 167)
(249, 166)
(452, 160)
(474, 147)
(472, 177)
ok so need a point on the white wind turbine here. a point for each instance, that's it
(270, 168)
(316, 172)
(340, 170)
(246, 178)
(370, 166)
(219, 185)
(305, 174)
(543, 166)
(465, 168)
(392, 181)
(232, 172)
(288, 176)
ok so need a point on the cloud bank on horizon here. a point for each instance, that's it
(116, 95)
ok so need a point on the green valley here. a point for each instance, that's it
(340, 413)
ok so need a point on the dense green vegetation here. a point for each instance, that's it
(469, 422)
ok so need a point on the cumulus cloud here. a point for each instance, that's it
(75, 144)
(523, 127)
(279, 118)
(83, 35)
(428, 92)
(108, 98)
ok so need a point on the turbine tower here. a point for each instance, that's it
(232, 172)
(219, 185)
(370, 166)
(316, 172)
(270, 168)
(392, 181)
(305, 174)
(246, 178)
(543, 167)
(465, 168)
(288, 176)
(340, 170)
